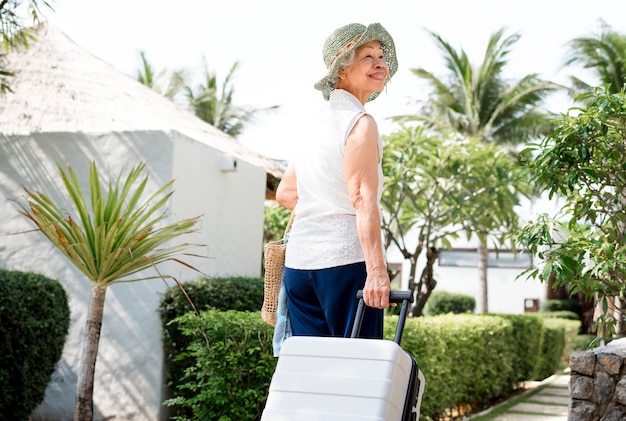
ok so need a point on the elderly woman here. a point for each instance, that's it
(334, 186)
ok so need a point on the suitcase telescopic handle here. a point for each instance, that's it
(404, 297)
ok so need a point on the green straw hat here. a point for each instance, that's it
(347, 39)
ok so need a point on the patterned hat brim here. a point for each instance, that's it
(374, 32)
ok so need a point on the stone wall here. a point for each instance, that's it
(598, 383)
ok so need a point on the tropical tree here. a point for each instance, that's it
(13, 34)
(167, 83)
(214, 104)
(604, 54)
(111, 237)
(583, 246)
(480, 102)
(438, 189)
(208, 100)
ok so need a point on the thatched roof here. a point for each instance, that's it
(60, 87)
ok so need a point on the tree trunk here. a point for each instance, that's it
(427, 283)
(618, 313)
(83, 409)
(482, 306)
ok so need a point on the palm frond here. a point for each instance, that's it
(477, 101)
(120, 234)
(604, 53)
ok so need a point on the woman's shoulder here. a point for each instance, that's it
(365, 125)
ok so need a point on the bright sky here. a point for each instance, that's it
(278, 44)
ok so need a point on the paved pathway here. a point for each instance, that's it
(545, 401)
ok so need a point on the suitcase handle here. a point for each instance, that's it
(404, 297)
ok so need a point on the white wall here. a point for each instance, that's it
(129, 370)
(506, 292)
(231, 202)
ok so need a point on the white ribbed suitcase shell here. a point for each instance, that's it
(338, 379)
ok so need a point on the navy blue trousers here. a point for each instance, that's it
(323, 302)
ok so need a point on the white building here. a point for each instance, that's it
(456, 270)
(69, 106)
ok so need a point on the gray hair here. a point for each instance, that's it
(345, 63)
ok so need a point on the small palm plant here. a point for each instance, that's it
(114, 236)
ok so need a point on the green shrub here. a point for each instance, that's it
(585, 342)
(444, 302)
(235, 293)
(527, 338)
(233, 366)
(552, 348)
(572, 327)
(561, 305)
(562, 314)
(468, 360)
(35, 320)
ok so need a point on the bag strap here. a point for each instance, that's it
(288, 228)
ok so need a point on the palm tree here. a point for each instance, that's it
(167, 83)
(215, 105)
(479, 102)
(13, 35)
(112, 237)
(604, 54)
(206, 100)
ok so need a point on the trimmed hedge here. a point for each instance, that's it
(551, 349)
(468, 360)
(561, 305)
(232, 293)
(528, 334)
(465, 359)
(571, 328)
(233, 367)
(562, 314)
(35, 320)
(225, 356)
(444, 302)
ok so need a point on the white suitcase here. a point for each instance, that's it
(345, 379)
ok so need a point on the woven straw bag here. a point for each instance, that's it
(274, 265)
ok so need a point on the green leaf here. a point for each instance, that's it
(120, 234)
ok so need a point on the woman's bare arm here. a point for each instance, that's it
(287, 192)
(361, 170)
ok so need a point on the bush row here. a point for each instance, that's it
(235, 293)
(468, 359)
(35, 319)
(219, 351)
(443, 302)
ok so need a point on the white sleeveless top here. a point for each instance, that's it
(324, 233)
